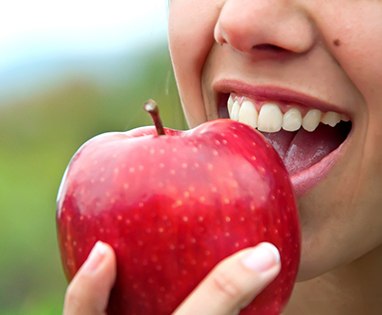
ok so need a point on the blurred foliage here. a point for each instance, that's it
(38, 136)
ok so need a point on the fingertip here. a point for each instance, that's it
(89, 290)
(261, 258)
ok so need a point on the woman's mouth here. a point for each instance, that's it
(308, 139)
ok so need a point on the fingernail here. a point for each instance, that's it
(95, 257)
(262, 257)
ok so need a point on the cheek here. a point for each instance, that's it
(191, 25)
(356, 36)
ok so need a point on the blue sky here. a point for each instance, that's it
(30, 29)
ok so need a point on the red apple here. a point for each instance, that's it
(175, 204)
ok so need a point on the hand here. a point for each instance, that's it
(229, 287)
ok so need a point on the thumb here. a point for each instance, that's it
(234, 282)
(88, 292)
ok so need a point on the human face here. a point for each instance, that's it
(323, 55)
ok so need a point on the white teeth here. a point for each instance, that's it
(270, 118)
(230, 103)
(235, 110)
(248, 114)
(292, 120)
(331, 118)
(311, 120)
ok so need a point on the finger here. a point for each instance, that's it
(88, 292)
(234, 282)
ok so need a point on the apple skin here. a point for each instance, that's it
(173, 206)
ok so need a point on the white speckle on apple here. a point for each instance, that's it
(160, 229)
(177, 203)
(200, 218)
(119, 218)
(196, 165)
(141, 204)
(226, 201)
(131, 169)
(253, 158)
(215, 152)
(185, 218)
(186, 194)
(192, 240)
(207, 253)
(214, 189)
(210, 167)
(127, 221)
(194, 149)
(162, 151)
(202, 199)
(227, 219)
(125, 186)
(217, 142)
(191, 188)
(172, 172)
(74, 243)
(81, 218)
(224, 141)
(185, 165)
(141, 168)
(237, 245)
(242, 219)
(161, 165)
(172, 247)
(227, 234)
(101, 230)
(152, 151)
(174, 149)
(102, 179)
(116, 171)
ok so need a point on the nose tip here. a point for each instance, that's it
(263, 25)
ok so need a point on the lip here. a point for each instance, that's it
(305, 180)
(274, 93)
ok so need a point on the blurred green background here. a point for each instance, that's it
(41, 126)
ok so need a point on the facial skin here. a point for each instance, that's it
(331, 50)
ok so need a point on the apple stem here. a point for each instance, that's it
(152, 108)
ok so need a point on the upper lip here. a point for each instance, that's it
(274, 93)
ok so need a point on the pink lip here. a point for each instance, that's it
(274, 93)
(308, 178)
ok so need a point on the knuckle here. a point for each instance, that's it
(226, 285)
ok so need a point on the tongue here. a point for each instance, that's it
(301, 150)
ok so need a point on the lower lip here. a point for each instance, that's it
(304, 181)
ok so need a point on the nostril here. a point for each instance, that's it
(268, 47)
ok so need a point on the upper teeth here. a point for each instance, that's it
(270, 118)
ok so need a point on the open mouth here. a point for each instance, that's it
(307, 139)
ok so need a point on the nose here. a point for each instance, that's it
(250, 26)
